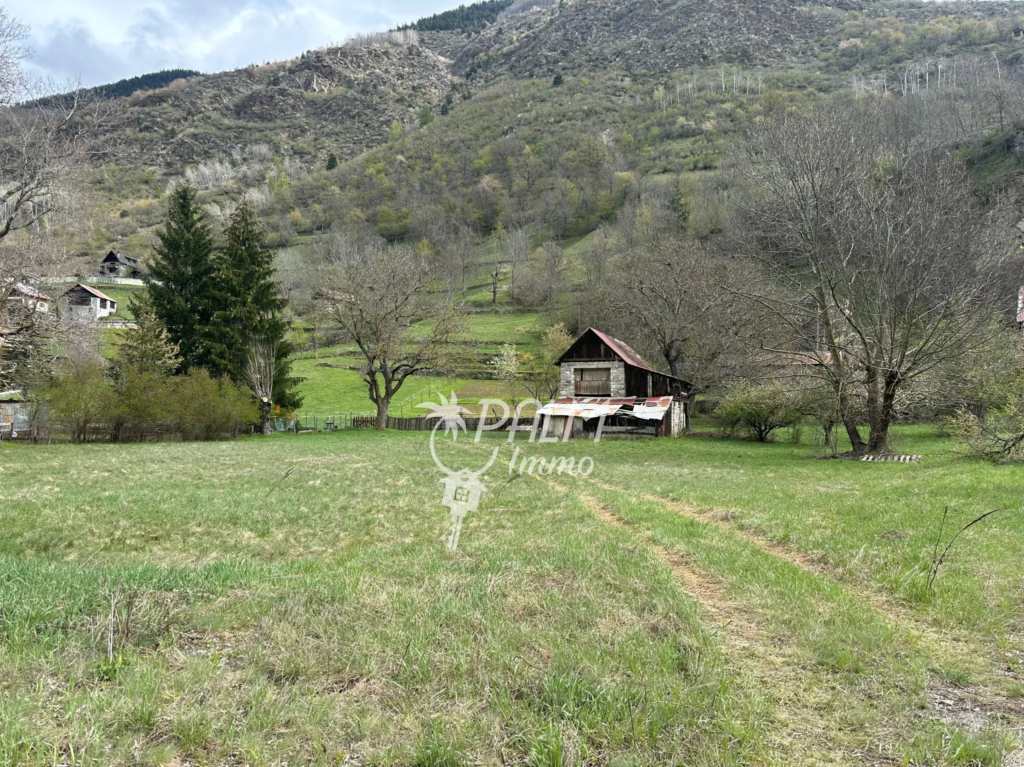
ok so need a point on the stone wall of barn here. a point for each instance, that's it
(567, 381)
(677, 417)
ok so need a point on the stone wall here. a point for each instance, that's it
(677, 418)
(567, 381)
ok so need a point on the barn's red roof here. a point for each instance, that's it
(623, 350)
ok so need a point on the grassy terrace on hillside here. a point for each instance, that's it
(334, 391)
(695, 602)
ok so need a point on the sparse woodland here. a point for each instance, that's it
(663, 202)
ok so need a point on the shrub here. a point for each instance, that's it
(998, 435)
(88, 405)
(206, 408)
(760, 410)
(80, 401)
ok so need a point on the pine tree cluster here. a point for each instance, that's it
(465, 18)
(216, 305)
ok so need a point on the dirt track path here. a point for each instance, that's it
(778, 669)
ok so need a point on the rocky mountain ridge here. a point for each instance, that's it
(341, 100)
(666, 35)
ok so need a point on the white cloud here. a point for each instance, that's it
(104, 40)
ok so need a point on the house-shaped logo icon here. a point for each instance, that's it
(462, 491)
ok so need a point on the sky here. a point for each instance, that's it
(101, 41)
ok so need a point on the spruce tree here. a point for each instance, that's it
(181, 278)
(248, 308)
(146, 347)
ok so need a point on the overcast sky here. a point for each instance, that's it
(101, 41)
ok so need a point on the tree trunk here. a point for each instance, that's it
(265, 419)
(383, 405)
(691, 408)
(850, 423)
(886, 414)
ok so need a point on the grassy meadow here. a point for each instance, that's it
(328, 391)
(290, 600)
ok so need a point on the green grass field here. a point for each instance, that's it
(334, 391)
(696, 601)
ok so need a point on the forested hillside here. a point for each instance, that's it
(511, 145)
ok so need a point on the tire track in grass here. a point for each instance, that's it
(995, 709)
(878, 602)
(764, 665)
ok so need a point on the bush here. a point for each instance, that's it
(80, 401)
(998, 435)
(88, 405)
(207, 408)
(760, 410)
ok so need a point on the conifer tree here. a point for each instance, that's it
(248, 308)
(147, 347)
(181, 278)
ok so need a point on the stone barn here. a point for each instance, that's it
(602, 376)
(86, 305)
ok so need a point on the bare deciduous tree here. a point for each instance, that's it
(378, 294)
(679, 300)
(876, 241)
(42, 146)
(260, 371)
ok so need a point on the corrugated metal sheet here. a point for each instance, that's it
(585, 407)
(652, 409)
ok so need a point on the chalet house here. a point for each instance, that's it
(602, 376)
(86, 305)
(116, 265)
(30, 298)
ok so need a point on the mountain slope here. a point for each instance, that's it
(339, 100)
(666, 35)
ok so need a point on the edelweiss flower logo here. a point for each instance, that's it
(450, 412)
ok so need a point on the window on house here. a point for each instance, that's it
(593, 382)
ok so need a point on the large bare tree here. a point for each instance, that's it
(43, 144)
(878, 246)
(390, 303)
(678, 299)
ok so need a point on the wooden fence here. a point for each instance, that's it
(307, 424)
